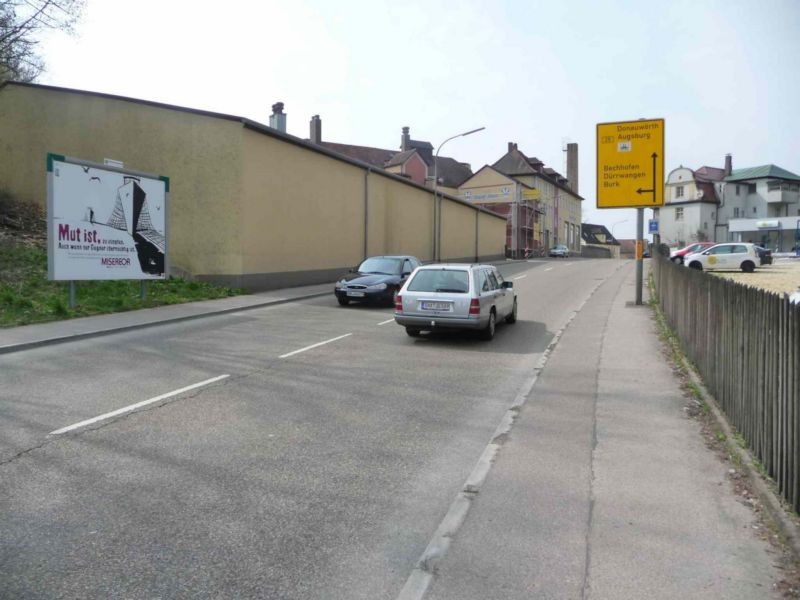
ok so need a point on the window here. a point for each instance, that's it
(679, 214)
(499, 277)
(440, 280)
(481, 282)
(383, 266)
(754, 210)
(737, 190)
(738, 249)
(735, 212)
(720, 250)
(751, 188)
(705, 224)
(713, 214)
(492, 281)
(679, 191)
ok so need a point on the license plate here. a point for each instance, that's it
(356, 294)
(436, 306)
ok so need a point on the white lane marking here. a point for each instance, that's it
(387, 321)
(127, 409)
(549, 269)
(288, 354)
(520, 277)
(422, 575)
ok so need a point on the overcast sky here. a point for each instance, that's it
(723, 74)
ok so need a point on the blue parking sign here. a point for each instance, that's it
(653, 226)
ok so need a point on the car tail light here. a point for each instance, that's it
(398, 303)
(474, 307)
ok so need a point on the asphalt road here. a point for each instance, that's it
(314, 474)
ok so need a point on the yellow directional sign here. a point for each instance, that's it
(630, 164)
(531, 194)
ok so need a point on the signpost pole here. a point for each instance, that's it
(71, 293)
(639, 249)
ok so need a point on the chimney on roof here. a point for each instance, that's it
(315, 130)
(277, 120)
(728, 164)
(405, 139)
(572, 166)
(512, 146)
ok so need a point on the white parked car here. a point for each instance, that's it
(732, 255)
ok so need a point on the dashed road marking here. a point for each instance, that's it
(317, 345)
(127, 409)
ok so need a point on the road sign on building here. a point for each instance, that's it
(630, 164)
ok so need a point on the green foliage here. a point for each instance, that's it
(26, 295)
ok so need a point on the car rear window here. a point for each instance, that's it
(440, 280)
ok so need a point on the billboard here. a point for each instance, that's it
(630, 164)
(104, 222)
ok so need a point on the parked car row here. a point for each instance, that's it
(435, 297)
(736, 255)
(679, 256)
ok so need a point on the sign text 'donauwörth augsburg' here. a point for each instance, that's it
(630, 164)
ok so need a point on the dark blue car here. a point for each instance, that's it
(377, 279)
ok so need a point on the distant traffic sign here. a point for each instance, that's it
(630, 164)
(653, 224)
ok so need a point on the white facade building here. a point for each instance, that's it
(690, 206)
(758, 204)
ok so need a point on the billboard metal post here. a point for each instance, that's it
(639, 253)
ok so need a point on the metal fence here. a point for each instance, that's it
(745, 343)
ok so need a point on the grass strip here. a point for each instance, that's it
(27, 296)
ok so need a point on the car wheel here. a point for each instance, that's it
(488, 331)
(512, 317)
(412, 332)
(696, 266)
(343, 301)
(748, 267)
(678, 260)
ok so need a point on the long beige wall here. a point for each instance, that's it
(304, 215)
(201, 155)
(247, 208)
(491, 235)
(459, 223)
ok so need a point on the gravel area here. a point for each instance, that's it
(783, 276)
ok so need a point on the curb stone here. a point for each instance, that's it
(8, 349)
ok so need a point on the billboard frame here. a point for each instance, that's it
(52, 159)
(658, 191)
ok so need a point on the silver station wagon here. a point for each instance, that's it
(453, 296)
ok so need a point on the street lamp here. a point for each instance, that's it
(437, 223)
(615, 224)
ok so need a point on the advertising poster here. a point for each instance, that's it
(104, 222)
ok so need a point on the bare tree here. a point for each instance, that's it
(21, 23)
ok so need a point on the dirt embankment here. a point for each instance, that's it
(21, 222)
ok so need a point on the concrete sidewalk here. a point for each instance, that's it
(604, 488)
(14, 339)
